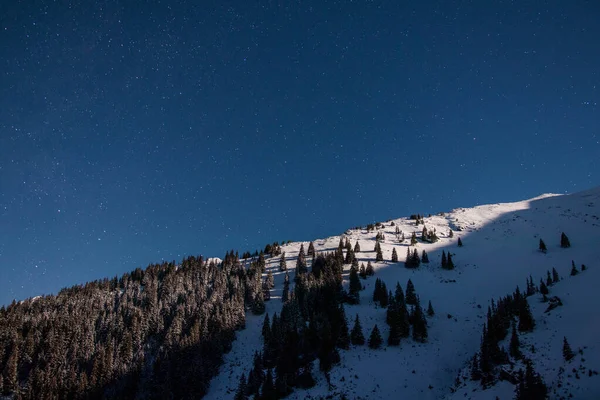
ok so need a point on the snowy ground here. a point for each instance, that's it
(500, 251)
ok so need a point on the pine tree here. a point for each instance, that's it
(362, 272)
(349, 256)
(573, 269)
(450, 233)
(266, 328)
(543, 288)
(286, 288)
(460, 242)
(424, 257)
(411, 295)
(354, 286)
(555, 277)
(564, 241)
(270, 280)
(542, 246)
(375, 339)
(548, 279)
(311, 249)
(370, 269)
(526, 321)
(567, 352)
(343, 340)
(430, 311)
(357, 247)
(282, 262)
(394, 255)
(356, 336)
(449, 262)
(514, 350)
(413, 239)
(301, 267)
(383, 297)
(419, 323)
(394, 335)
(444, 260)
(377, 290)
(268, 388)
(531, 386)
(378, 253)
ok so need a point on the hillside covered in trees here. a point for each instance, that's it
(473, 303)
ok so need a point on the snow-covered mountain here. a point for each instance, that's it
(499, 252)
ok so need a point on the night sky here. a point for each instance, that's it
(132, 132)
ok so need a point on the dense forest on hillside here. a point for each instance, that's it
(157, 333)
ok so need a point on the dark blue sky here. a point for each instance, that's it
(132, 132)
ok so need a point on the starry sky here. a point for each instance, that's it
(135, 132)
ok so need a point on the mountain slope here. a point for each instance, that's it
(500, 251)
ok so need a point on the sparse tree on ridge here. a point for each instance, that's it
(357, 247)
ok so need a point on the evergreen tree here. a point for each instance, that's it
(362, 272)
(450, 233)
(564, 241)
(566, 350)
(378, 253)
(542, 246)
(413, 239)
(268, 388)
(514, 350)
(555, 277)
(349, 256)
(394, 255)
(377, 290)
(282, 262)
(573, 269)
(356, 336)
(419, 323)
(354, 286)
(444, 260)
(357, 247)
(383, 297)
(526, 321)
(370, 269)
(266, 328)
(375, 339)
(449, 262)
(394, 335)
(531, 386)
(424, 257)
(301, 267)
(583, 267)
(430, 311)
(286, 288)
(459, 242)
(311, 249)
(411, 295)
(258, 305)
(343, 340)
(270, 280)
(548, 279)
(543, 288)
